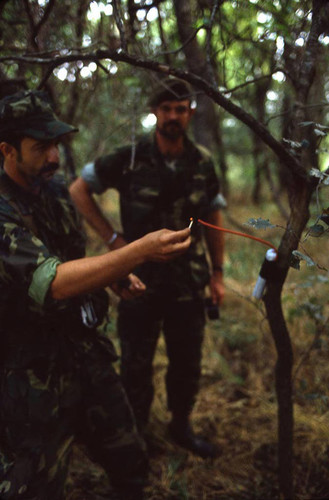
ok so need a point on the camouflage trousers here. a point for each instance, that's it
(140, 322)
(46, 405)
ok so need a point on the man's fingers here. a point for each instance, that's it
(179, 236)
(136, 285)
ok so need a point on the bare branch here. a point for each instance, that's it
(120, 56)
(46, 76)
(118, 21)
(44, 18)
(163, 39)
(208, 41)
(187, 41)
(249, 82)
(36, 26)
(31, 22)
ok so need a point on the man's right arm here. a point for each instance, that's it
(84, 275)
(29, 267)
(82, 196)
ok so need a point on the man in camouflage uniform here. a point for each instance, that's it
(56, 376)
(163, 181)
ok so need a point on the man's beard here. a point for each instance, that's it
(45, 173)
(48, 170)
(171, 130)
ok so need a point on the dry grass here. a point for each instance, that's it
(236, 406)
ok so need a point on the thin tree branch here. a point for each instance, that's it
(120, 56)
(163, 39)
(249, 82)
(46, 76)
(187, 41)
(118, 21)
(215, 8)
(31, 22)
(48, 9)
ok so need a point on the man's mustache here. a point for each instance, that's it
(171, 123)
(48, 168)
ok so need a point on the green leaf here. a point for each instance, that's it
(306, 124)
(317, 125)
(295, 262)
(315, 172)
(259, 223)
(319, 132)
(292, 144)
(325, 218)
(300, 256)
(316, 231)
(322, 127)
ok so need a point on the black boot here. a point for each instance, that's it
(182, 433)
(135, 493)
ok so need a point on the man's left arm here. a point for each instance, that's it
(215, 244)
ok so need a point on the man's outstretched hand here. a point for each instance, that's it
(164, 245)
(158, 246)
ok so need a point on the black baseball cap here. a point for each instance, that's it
(29, 113)
(171, 89)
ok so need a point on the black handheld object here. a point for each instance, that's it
(124, 283)
(212, 309)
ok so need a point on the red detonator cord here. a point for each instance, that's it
(237, 233)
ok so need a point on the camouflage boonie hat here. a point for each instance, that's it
(171, 89)
(29, 113)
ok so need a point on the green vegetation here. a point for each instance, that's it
(237, 402)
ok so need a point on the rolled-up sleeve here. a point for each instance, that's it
(42, 279)
(218, 202)
(90, 176)
(26, 265)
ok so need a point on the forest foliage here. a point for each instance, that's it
(251, 47)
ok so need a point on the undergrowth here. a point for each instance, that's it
(236, 407)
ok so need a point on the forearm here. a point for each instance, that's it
(89, 209)
(215, 243)
(215, 240)
(85, 275)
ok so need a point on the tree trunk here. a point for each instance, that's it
(206, 119)
(300, 189)
(272, 299)
(283, 385)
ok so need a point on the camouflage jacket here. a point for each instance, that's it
(37, 232)
(156, 193)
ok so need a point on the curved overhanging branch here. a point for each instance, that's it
(120, 56)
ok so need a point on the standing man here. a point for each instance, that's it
(56, 376)
(163, 181)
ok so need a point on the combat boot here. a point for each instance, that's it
(135, 493)
(182, 433)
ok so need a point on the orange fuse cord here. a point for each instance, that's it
(237, 233)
